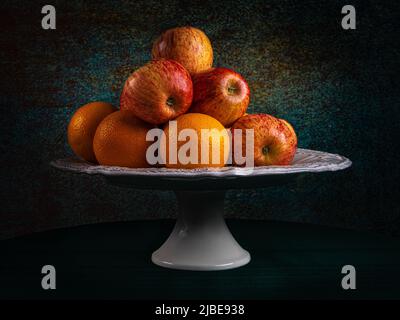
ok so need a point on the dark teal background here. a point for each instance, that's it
(339, 89)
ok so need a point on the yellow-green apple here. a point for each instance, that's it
(158, 92)
(275, 141)
(220, 93)
(187, 45)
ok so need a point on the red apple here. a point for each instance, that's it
(220, 93)
(158, 92)
(187, 45)
(289, 126)
(275, 141)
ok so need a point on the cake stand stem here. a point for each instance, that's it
(200, 239)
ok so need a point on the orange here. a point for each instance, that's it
(83, 125)
(120, 140)
(215, 143)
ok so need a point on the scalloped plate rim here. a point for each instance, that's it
(81, 166)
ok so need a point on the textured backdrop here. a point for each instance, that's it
(337, 87)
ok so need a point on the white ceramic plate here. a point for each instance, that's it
(305, 161)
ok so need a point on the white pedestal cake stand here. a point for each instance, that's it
(201, 239)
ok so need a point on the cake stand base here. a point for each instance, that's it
(200, 239)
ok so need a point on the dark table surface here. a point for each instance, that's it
(112, 260)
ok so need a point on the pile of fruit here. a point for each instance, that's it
(179, 89)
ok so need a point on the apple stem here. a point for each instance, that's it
(170, 102)
(265, 150)
(232, 90)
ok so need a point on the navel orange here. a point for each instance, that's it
(83, 125)
(120, 140)
(189, 153)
